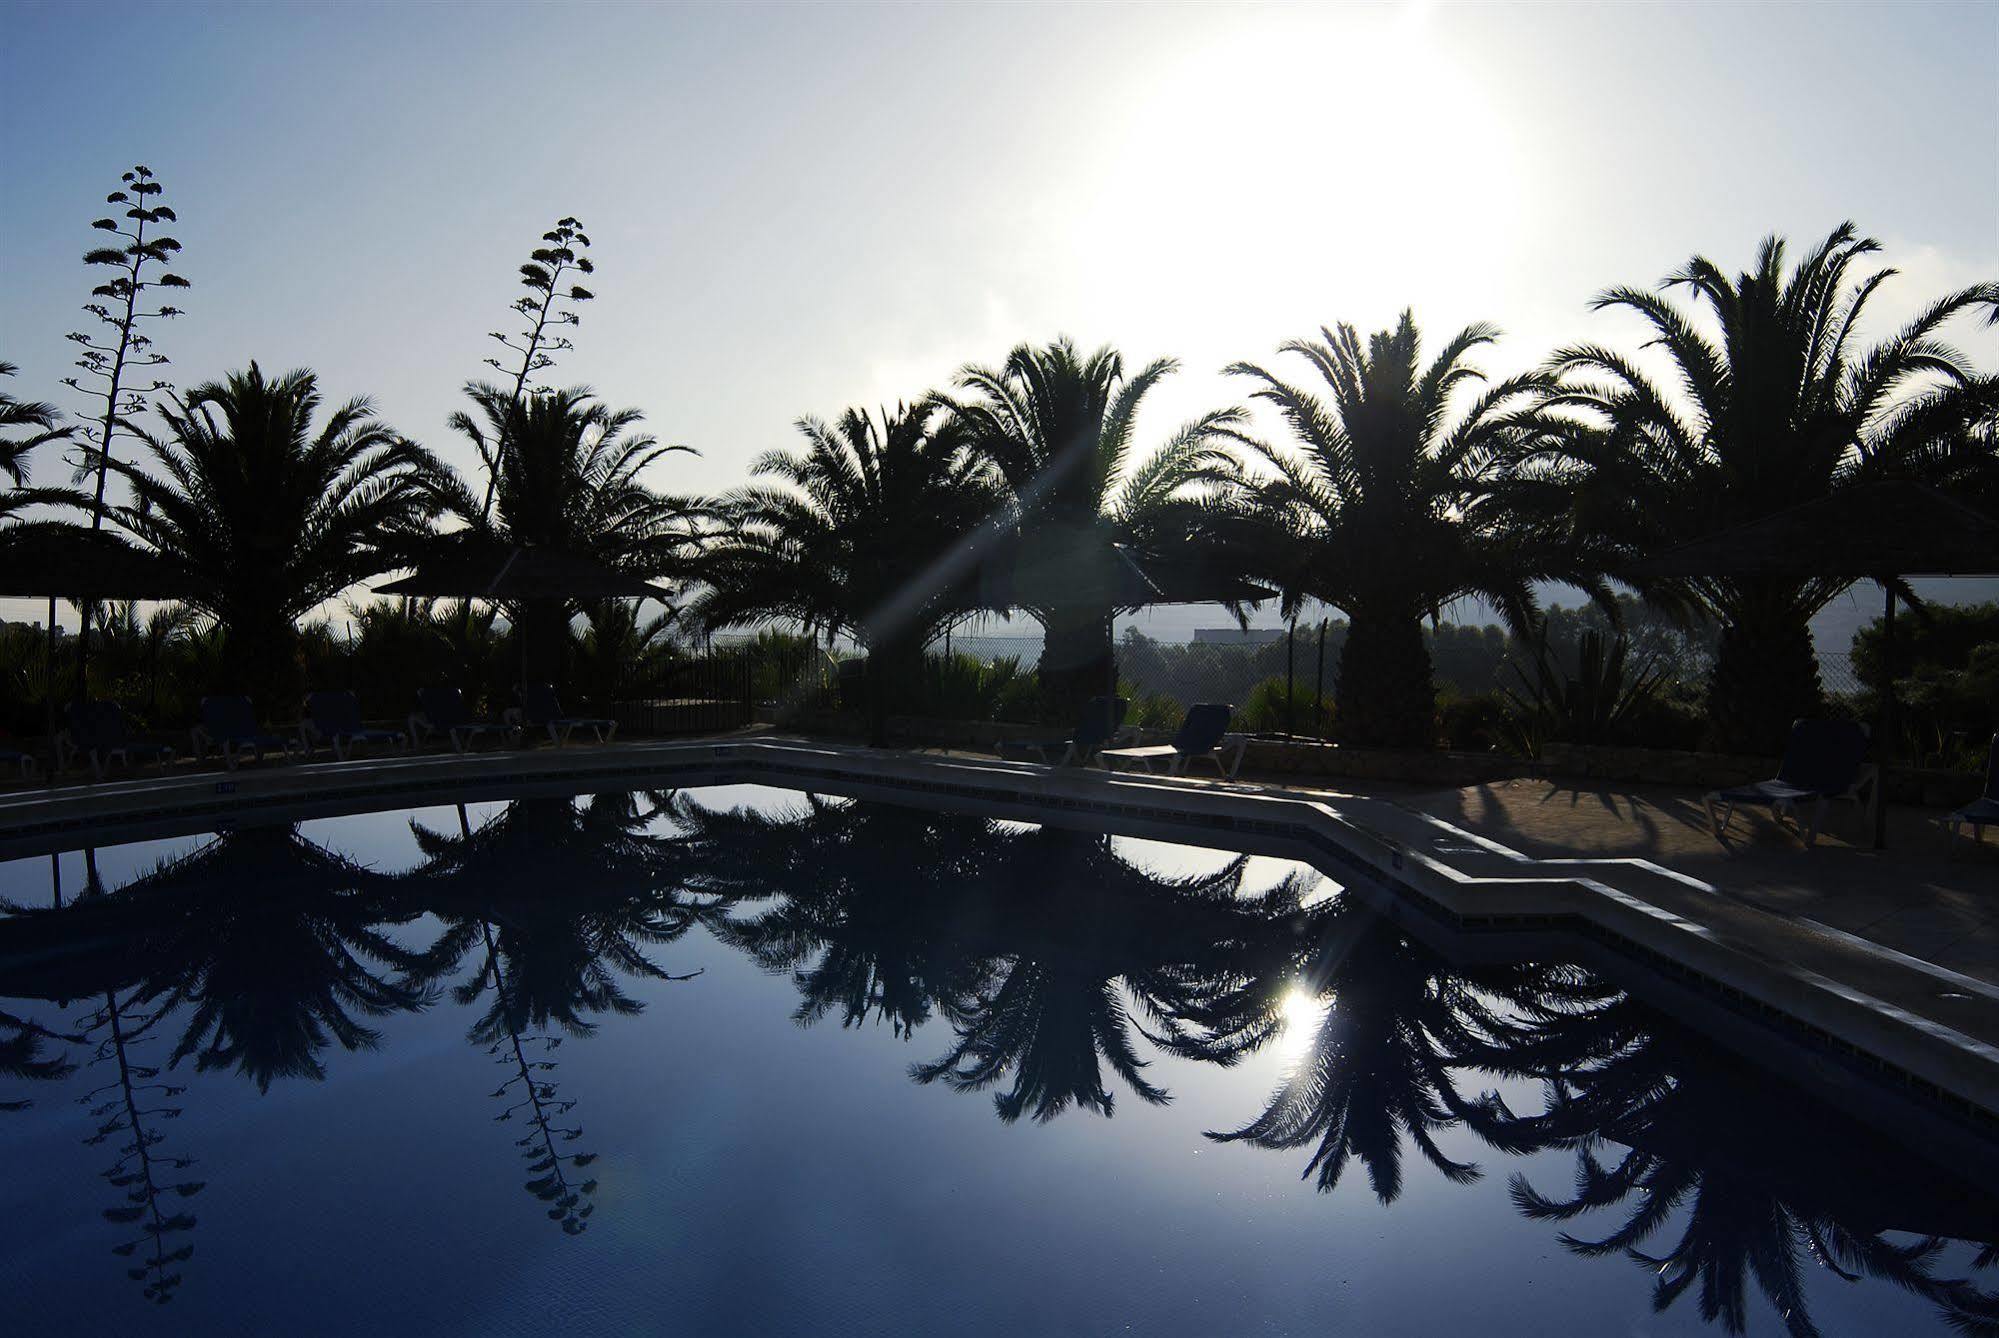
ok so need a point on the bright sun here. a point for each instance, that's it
(1305, 159)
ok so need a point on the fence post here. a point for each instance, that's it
(1319, 687)
(1290, 670)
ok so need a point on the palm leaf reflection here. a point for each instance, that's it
(553, 901)
(278, 947)
(1757, 1180)
(1046, 951)
(1379, 1070)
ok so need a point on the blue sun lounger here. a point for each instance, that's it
(540, 709)
(442, 711)
(1099, 723)
(229, 722)
(1983, 811)
(335, 718)
(97, 730)
(1204, 733)
(1823, 761)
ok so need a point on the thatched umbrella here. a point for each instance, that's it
(516, 574)
(1884, 532)
(55, 559)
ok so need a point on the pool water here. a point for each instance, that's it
(740, 1061)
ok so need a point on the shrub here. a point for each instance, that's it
(1271, 708)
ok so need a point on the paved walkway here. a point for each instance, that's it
(1913, 897)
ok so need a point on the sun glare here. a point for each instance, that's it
(1303, 160)
(1299, 1013)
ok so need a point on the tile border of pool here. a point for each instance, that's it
(1923, 1058)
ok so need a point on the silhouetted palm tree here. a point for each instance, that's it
(266, 518)
(575, 895)
(23, 1058)
(1387, 504)
(1028, 943)
(572, 477)
(1790, 1182)
(553, 901)
(16, 414)
(1059, 426)
(1777, 406)
(1399, 1019)
(865, 531)
(276, 946)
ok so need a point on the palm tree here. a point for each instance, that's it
(1776, 406)
(550, 961)
(858, 534)
(265, 518)
(1058, 426)
(15, 414)
(1388, 504)
(277, 947)
(1029, 944)
(1791, 1184)
(567, 473)
(1379, 1071)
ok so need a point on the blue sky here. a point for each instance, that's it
(797, 208)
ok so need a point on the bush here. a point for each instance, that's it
(1270, 708)
(1473, 722)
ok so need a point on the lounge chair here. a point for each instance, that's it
(229, 723)
(1823, 761)
(442, 711)
(539, 709)
(24, 762)
(1098, 725)
(335, 719)
(97, 730)
(1204, 733)
(1983, 811)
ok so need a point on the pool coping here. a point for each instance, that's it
(1922, 1056)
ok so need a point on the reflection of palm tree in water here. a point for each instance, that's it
(1378, 1071)
(556, 901)
(276, 945)
(1028, 941)
(22, 1058)
(1761, 1177)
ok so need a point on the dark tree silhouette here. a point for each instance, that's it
(276, 947)
(554, 900)
(112, 360)
(1791, 1182)
(1032, 945)
(547, 308)
(1058, 426)
(23, 1058)
(266, 518)
(857, 533)
(15, 414)
(1379, 1071)
(1388, 504)
(128, 1108)
(570, 477)
(1778, 407)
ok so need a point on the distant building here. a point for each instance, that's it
(1236, 636)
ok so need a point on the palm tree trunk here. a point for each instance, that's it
(1385, 697)
(544, 623)
(1077, 661)
(261, 659)
(1766, 673)
(895, 669)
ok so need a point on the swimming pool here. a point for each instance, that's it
(739, 1060)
